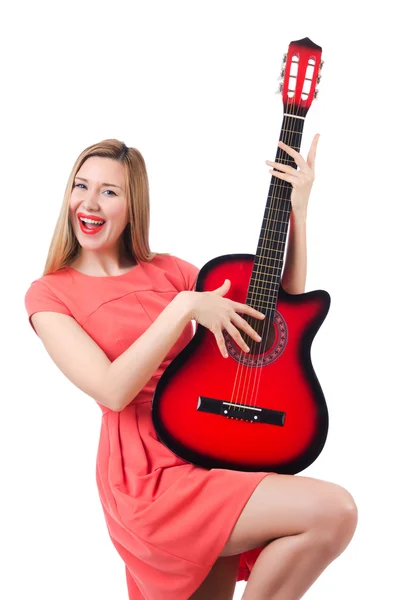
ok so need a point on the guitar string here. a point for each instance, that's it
(277, 185)
(241, 375)
(267, 241)
(285, 189)
(238, 377)
(294, 165)
(281, 189)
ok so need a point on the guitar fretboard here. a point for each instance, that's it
(266, 273)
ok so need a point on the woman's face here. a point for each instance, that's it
(99, 195)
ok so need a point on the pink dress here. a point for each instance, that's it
(168, 519)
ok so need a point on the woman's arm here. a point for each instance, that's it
(115, 384)
(294, 274)
(85, 364)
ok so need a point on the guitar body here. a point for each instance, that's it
(200, 384)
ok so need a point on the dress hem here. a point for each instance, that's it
(244, 571)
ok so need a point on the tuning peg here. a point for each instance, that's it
(284, 60)
(319, 78)
(282, 74)
(315, 93)
(321, 64)
(280, 88)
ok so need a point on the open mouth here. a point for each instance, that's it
(90, 226)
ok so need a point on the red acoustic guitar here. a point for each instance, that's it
(263, 410)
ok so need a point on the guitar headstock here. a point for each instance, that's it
(301, 74)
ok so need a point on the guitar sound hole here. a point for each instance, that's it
(274, 340)
(266, 330)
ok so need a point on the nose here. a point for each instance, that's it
(91, 200)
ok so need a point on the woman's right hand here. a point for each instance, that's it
(216, 313)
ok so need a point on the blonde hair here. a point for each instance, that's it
(64, 245)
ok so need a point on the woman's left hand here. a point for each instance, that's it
(301, 179)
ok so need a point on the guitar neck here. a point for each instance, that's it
(301, 73)
(266, 273)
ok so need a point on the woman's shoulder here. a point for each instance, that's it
(166, 259)
(50, 281)
(183, 271)
(45, 294)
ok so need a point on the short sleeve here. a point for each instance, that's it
(40, 298)
(189, 273)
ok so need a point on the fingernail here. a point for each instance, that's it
(258, 337)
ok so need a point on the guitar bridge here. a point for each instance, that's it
(243, 412)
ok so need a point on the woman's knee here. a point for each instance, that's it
(336, 520)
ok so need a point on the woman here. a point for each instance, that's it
(112, 315)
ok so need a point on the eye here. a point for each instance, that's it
(84, 186)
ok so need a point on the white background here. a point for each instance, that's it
(191, 85)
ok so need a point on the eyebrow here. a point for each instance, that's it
(108, 184)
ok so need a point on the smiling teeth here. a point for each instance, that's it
(91, 221)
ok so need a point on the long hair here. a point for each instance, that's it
(64, 245)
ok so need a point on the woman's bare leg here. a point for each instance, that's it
(221, 580)
(308, 523)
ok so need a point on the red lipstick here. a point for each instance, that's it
(89, 230)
